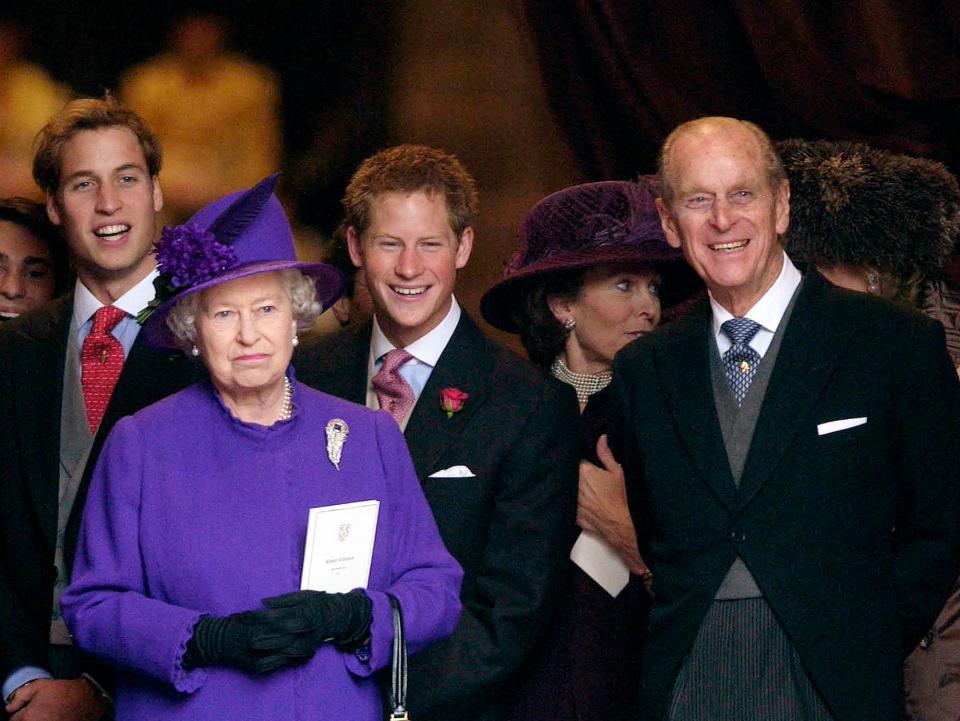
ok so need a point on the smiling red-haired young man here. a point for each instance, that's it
(499, 470)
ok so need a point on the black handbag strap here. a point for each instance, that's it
(398, 667)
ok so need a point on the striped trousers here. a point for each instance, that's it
(743, 668)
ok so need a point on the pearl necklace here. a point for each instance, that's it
(585, 384)
(286, 407)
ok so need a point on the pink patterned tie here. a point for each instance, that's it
(393, 392)
(101, 360)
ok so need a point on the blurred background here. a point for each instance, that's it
(532, 95)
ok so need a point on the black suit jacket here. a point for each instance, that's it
(32, 359)
(851, 535)
(510, 526)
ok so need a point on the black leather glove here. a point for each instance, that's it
(304, 617)
(228, 641)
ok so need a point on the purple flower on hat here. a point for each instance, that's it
(186, 255)
(190, 254)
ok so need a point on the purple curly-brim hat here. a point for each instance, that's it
(239, 235)
(609, 222)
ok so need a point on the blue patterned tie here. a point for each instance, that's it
(740, 361)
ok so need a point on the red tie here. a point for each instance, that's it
(101, 360)
(393, 392)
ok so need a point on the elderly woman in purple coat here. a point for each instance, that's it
(193, 541)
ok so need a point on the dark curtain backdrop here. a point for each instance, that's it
(332, 59)
(621, 75)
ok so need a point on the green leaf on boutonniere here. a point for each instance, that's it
(452, 400)
(164, 291)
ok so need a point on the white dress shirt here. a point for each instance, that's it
(85, 304)
(768, 311)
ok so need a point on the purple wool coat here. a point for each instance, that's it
(192, 512)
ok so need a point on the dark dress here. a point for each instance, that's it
(588, 665)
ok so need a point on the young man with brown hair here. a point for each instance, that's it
(491, 439)
(68, 371)
(33, 263)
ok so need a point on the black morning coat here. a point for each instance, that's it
(852, 534)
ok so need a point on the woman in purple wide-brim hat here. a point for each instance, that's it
(592, 273)
(191, 555)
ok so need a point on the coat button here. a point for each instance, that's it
(927, 640)
(737, 536)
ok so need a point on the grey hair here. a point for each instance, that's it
(302, 291)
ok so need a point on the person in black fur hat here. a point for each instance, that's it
(887, 224)
(870, 220)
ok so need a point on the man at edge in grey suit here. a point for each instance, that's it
(97, 163)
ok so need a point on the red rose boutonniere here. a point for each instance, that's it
(451, 400)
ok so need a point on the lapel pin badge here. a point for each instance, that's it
(337, 432)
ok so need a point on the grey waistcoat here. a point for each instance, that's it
(736, 425)
(76, 441)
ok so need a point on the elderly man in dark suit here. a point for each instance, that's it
(492, 441)
(68, 372)
(789, 449)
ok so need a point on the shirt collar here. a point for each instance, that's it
(85, 303)
(426, 349)
(769, 310)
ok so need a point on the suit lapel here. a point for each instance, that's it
(466, 363)
(683, 363)
(812, 347)
(38, 368)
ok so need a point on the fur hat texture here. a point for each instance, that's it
(851, 204)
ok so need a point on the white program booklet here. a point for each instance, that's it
(599, 561)
(339, 547)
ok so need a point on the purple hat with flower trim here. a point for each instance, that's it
(241, 234)
(609, 222)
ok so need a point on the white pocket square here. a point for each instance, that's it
(453, 472)
(841, 425)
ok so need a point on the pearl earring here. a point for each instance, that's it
(195, 352)
(295, 341)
